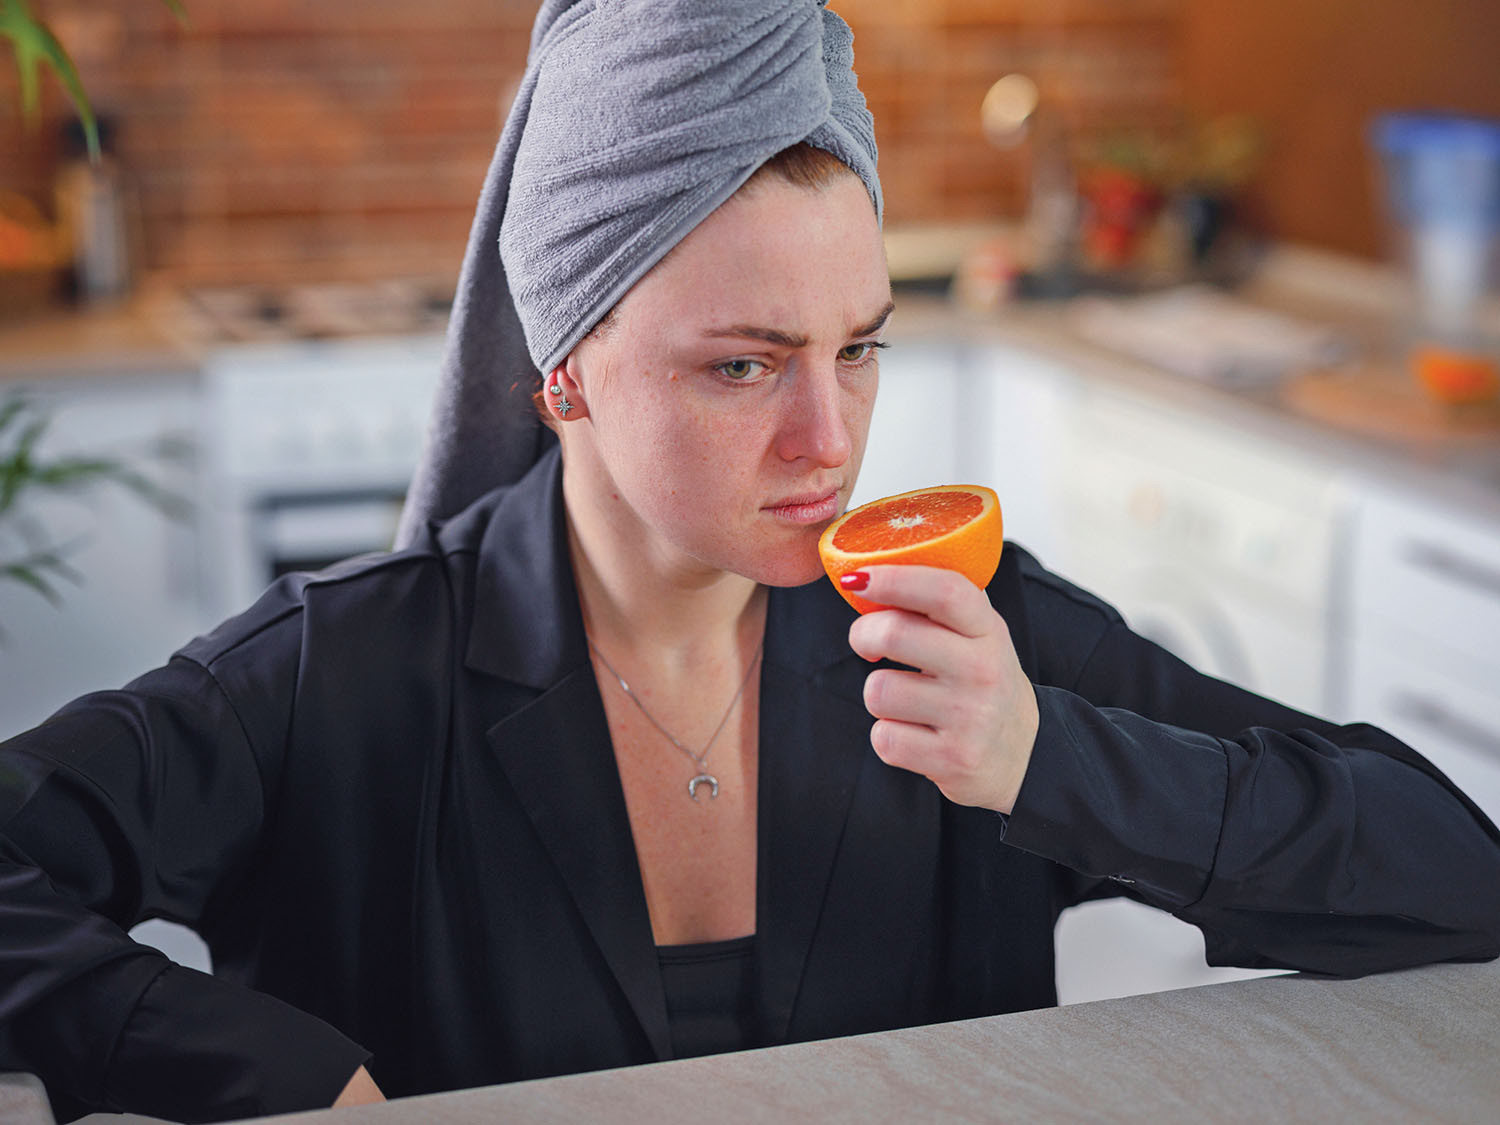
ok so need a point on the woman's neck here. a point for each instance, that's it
(638, 603)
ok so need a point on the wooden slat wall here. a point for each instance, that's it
(332, 138)
(1316, 72)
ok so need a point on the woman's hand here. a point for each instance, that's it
(361, 1090)
(967, 719)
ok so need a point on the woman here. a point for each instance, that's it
(596, 771)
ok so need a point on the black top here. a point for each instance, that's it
(386, 797)
(710, 998)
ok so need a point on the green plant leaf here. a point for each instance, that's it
(12, 408)
(18, 469)
(29, 571)
(22, 426)
(34, 43)
(28, 576)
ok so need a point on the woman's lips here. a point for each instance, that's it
(814, 509)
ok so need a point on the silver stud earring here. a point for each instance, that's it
(563, 405)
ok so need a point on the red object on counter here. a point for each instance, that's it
(1456, 377)
(1120, 207)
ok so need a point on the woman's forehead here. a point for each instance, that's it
(780, 252)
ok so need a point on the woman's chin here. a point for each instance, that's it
(788, 568)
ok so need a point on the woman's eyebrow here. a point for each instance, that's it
(770, 335)
(878, 323)
(794, 339)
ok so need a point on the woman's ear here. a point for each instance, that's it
(562, 394)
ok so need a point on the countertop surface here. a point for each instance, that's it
(129, 338)
(1416, 1045)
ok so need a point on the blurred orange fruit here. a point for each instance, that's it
(1456, 377)
(954, 526)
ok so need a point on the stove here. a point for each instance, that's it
(315, 406)
(312, 311)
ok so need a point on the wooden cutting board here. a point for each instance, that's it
(1386, 401)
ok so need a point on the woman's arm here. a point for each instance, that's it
(1292, 842)
(148, 802)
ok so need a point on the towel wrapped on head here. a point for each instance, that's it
(634, 121)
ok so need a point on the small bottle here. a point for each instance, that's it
(1441, 183)
(97, 213)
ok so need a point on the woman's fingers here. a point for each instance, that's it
(907, 697)
(910, 639)
(944, 596)
(962, 713)
(906, 746)
(930, 614)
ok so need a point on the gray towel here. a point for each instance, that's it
(634, 120)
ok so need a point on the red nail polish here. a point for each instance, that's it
(854, 580)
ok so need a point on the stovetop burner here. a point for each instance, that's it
(235, 313)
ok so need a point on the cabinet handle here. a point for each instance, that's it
(1443, 720)
(1451, 565)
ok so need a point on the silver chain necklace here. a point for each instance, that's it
(703, 777)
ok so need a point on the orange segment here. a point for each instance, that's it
(954, 526)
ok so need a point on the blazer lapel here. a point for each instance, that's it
(555, 750)
(556, 755)
(813, 743)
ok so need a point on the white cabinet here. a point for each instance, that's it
(1424, 633)
(1011, 410)
(135, 598)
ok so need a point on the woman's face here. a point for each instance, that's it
(728, 403)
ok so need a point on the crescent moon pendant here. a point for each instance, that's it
(712, 781)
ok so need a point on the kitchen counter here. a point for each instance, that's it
(1405, 1046)
(129, 338)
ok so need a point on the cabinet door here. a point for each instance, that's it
(1448, 710)
(134, 596)
(1011, 407)
(1424, 633)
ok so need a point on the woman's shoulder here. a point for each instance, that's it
(384, 596)
(362, 606)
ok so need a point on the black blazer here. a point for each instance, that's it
(386, 797)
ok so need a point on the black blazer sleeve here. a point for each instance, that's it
(1290, 841)
(148, 803)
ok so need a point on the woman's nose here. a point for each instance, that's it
(813, 426)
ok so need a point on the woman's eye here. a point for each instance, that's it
(739, 370)
(856, 354)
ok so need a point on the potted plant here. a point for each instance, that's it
(28, 555)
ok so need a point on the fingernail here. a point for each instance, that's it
(854, 580)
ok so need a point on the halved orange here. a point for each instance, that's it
(955, 526)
